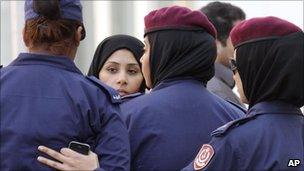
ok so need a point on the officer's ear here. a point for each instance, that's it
(78, 34)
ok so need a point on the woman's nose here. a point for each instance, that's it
(122, 78)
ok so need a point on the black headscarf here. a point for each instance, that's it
(111, 44)
(273, 69)
(181, 53)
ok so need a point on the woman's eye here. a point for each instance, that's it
(112, 70)
(132, 72)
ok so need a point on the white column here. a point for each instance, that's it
(12, 23)
(87, 46)
(122, 17)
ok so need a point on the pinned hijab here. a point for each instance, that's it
(182, 44)
(270, 64)
(111, 44)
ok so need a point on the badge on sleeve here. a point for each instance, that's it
(203, 157)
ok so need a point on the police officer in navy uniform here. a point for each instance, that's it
(168, 125)
(46, 100)
(269, 76)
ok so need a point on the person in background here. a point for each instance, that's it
(269, 77)
(47, 101)
(116, 63)
(168, 125)
(223, 16)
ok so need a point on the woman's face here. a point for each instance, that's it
(122, 72)
(145, 61)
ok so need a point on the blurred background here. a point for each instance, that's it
(105, 18)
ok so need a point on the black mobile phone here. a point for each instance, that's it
(79, 147)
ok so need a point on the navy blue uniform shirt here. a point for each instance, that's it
(270, 137)
(45, 100)
(168, 125)
(130, 96)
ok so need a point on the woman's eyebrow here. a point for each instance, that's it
(109, 62)
(133, 64)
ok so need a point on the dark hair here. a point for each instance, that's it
(222, 16)
(49, 9)
(48, 30)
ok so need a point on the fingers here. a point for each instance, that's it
(94, 155)
(71, 153)
(71, 160)
(54, 154)
(91, 153)
(52, 163)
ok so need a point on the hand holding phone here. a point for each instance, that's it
(80, 147)
(68, 159)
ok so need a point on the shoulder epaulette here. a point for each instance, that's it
(112, 94)
(224, 129)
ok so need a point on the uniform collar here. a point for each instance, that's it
(224, 74)
(274, 107)
(131, 96)
(62, 62)
(173, 81)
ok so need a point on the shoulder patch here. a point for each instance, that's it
(224, 129)
(203, 157)
(112, 94)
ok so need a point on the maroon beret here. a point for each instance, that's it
(260, 28)
(179, 18)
